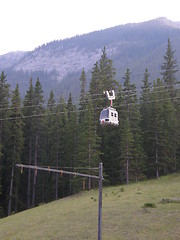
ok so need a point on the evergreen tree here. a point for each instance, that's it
(171, 137)
(49, 158)
(127, 141)
(157, 130)
(145, 103)
(89, 142)
(71, 138)
(135, 163)
(4, 139)
(95, 88)
(49, 126)
(38, 126)
(15, 143)
(145, 100)
(29, 124)
(177, 131)
(4, 102)
(96, 93)
(60, 143)
(169, 69)
(126, 146)
(107, 73)
(83, 97)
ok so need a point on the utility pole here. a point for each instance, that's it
(11, 189)
(100, 200)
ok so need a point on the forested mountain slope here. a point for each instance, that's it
(59, 63)
(64, 134)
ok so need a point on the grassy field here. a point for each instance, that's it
(142, 211)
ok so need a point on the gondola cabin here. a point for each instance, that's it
(109, 116)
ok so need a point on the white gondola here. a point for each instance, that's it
(109, 116)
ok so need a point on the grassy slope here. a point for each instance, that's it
(123, 215)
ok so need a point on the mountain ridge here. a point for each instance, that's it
(134, 45)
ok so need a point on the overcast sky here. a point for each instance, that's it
(27, 24)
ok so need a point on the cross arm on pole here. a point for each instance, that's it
(56, 171)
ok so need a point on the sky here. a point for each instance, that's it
(27, 24)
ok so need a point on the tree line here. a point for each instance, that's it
(67, 135)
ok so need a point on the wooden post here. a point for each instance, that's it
(100, 200)
(11, 189)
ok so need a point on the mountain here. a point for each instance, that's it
(58, 64)
(11, 59)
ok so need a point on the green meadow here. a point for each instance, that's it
(144, 210)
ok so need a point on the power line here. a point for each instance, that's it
(56, 112)
(99, 94)
(76, 111)
(132, 93)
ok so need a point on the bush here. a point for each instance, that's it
(149, 205)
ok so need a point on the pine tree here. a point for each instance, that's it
(49, 126)
(169, 69)
(127, 141)
(83, 97)
(4, 102)
(71, 138)
(4, 139)
(126, 146)
(135, 163)
(157, 131)
(16, 143)
(107, 73)
(29, 123)
(96, 93)
(88, 141)
(60, 143)
(145, 101)
(95, 88)
(49, 158)
(177, 131)
(171, 137)
(38, 141)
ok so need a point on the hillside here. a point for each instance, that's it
(58, 64)
(124, 214)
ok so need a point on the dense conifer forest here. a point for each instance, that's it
(67, 135)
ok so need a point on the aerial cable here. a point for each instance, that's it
(76, 111)
(133, 92)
